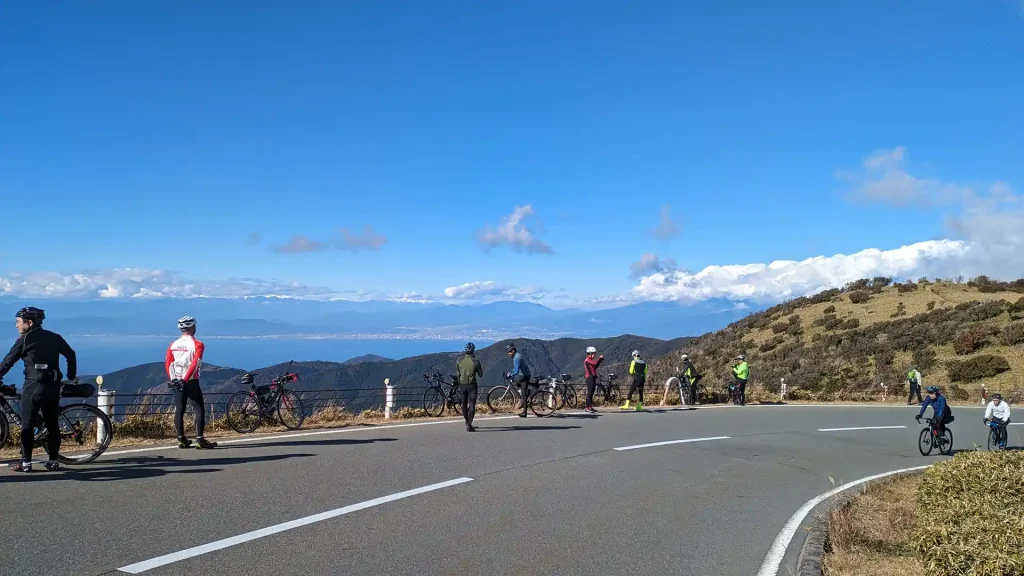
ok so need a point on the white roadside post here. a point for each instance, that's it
(105, 402)
(885, 390)
(389, 398)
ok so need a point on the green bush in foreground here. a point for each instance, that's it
(971, 515)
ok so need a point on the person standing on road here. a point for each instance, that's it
(469, 369)
(183, 364)
(741, 372)
(40, 351)
(638, 368)
(914, 378)
(520, 374)
(590, 365)
(691, 377)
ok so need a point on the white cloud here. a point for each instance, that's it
(300, 245)
(491, 290)
(784, 279)
(650, 263)
(512, 232)
(368, 239)
(143, 283)
(986, 236)
(345, 239)
(667, 227)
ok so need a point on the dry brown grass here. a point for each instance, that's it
(871, 535)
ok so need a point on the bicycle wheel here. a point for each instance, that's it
(85, 433)
(433, 401)
(613, 394)
(456, 401)
(243, 412)
(946, 442)
(993, 439)
(559, 395)
(290, 411)
(502, 399)
(542, 403)
(924, 444)
(4, 429)
(571, 400)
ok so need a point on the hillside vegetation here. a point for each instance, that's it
(841, 344)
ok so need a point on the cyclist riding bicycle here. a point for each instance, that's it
(590, 365)
(183, 364)
(998, 410)
(942, 414)
(40, 350)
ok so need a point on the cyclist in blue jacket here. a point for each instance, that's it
(941, 412)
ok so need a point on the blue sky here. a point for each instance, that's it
(163, 136)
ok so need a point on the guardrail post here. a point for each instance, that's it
(389, 398)
(105, 402)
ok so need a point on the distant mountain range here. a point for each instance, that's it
(362, 380)
(270, 317)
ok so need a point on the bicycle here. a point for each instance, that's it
(441, 395)
(506, 398)
(246, 409)
(81, 425)
(997, 434)
(565, 395)
(930, 438)
(608, 390)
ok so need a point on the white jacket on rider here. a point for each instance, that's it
(1002, 412)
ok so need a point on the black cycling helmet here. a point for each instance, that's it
(510, 348)
(470, 348)
(247, 379)
(933, 389)
(34, 314)
(997, 396)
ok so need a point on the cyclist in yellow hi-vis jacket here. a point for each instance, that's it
(741, 372)
(638, 368)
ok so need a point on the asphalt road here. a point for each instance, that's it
(533, 496)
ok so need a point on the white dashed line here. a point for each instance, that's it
(672, 442)
(859, 428)
(166, 559)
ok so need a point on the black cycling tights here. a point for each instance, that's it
(468, 403)
(192, 393)
(591, 385)
(45, 398)
(636, 387)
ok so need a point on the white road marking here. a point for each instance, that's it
(859, 428)
(773, 560)
(1016, 424)
(140, 567)
(672, 442)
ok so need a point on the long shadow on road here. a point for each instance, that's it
(142, 467)
(331, 442)
(513, 428)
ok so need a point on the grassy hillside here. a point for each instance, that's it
(841, 344)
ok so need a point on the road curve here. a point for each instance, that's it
(693, 492)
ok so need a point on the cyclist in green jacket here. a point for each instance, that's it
(741, 372)
(469, 369)
(638, 368)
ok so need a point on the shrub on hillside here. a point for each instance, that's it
(958, 394)
(795, 329)
(851, 324)
(824, 296)
(1012, 334)
(879, 282)
(983, 366)
(969, 341)
(924, 358)
(861, 284)
(821, 320)
(901, 310)
(832, 323)
(859, 297)
(907, 287)
(795, 319)
(969, 515)
(1017, 309)
(830, 309)
(931, 305)
(779, 327)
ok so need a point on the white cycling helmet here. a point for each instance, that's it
(591, 350)
(186, 322)
(683, 355)
(636, 353)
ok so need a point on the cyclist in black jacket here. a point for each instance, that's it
(40, 350)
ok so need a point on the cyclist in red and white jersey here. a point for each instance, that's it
(183, 364)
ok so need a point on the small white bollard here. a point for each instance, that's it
(885, 390)
(389, 398)
(551, 399)
(105, 402)
(782, 389)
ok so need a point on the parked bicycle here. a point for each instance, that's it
(609, 391)
(930, 438)
(441, 395)
(246, 409)
(997, 435)
(85, 431)
(565, 395)
(506, 398)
